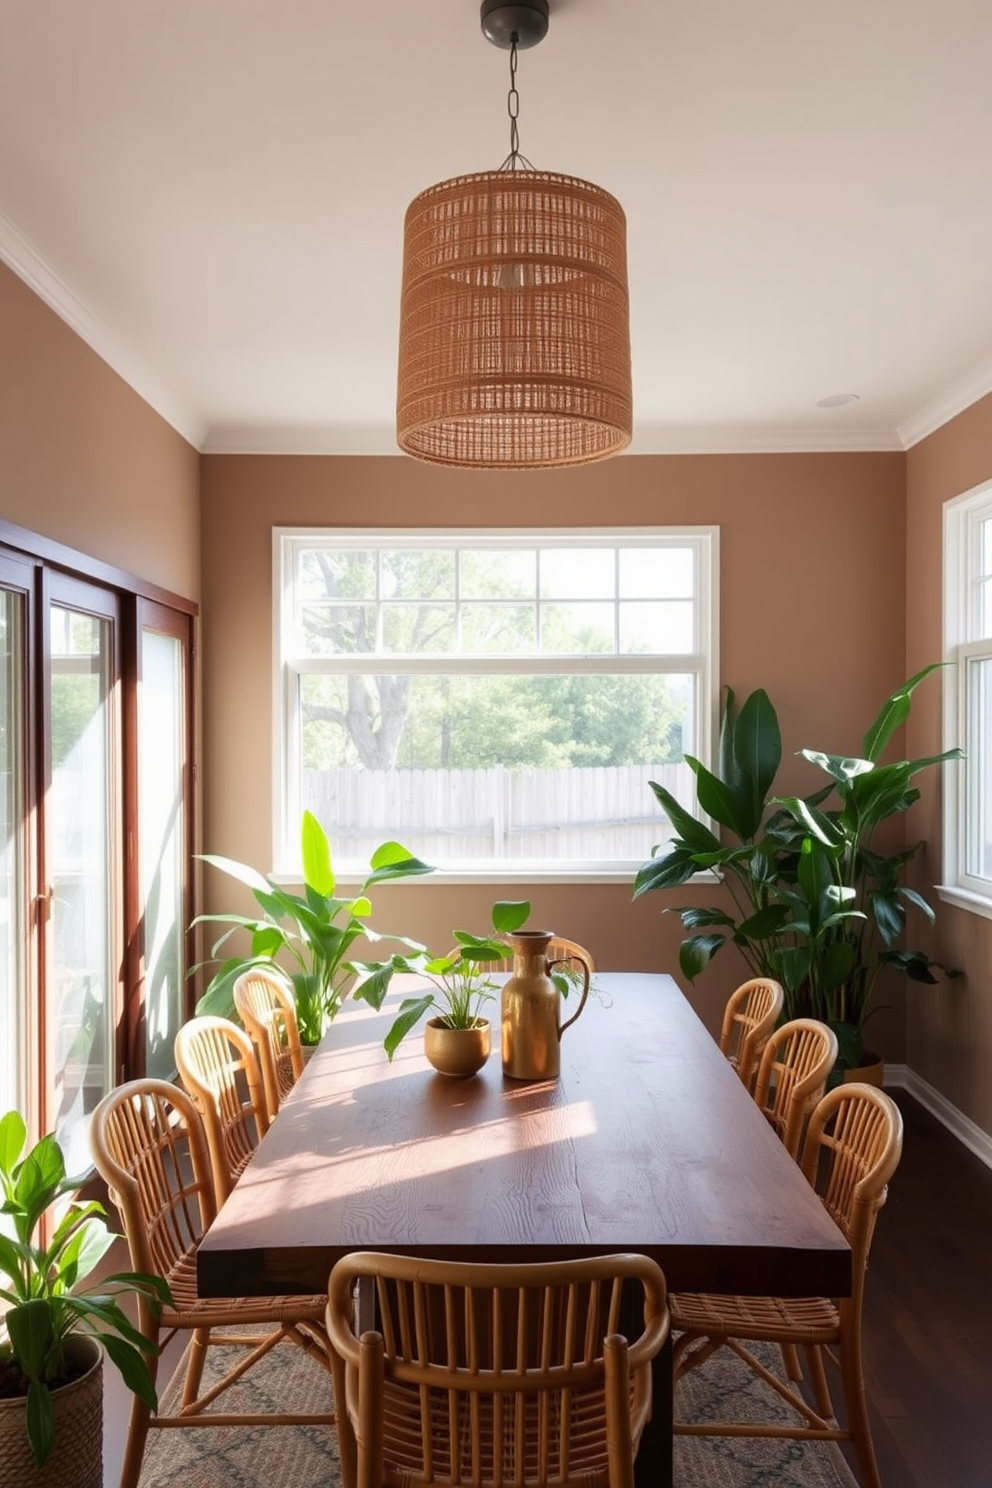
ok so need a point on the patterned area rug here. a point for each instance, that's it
(306, 1456)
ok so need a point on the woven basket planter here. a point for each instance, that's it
(76, 1460)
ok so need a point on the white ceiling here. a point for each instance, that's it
(211, 192)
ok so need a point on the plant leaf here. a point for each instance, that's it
(675, 868)
(315, 854)
(13, 1135)
(132, 1366)
(717, 799)
(412, 1009)
(243, 872)
(509, 914)
(696, 953)
(40, 1421)
(894, 712)
(392, 860)
(757, 749)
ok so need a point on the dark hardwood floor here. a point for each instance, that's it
(928, 1320)
(928, 1314)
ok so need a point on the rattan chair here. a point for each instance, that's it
(792, 1076)
(217, 1064)
(851, 1150)
(748, 1019)
(149, 1144)
(266, 1007)
(485, 1375)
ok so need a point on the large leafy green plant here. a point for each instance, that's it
(40, 1284)
(309, 935)
(814, 902)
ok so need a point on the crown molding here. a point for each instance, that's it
(26, 262)
(734, 439)
(380, 439)
(301, 439)
(940, 410)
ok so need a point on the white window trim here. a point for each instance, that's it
(960, 552)
(286, 806)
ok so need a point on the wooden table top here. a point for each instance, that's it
(648, 1141)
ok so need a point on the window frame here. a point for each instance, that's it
(963, 575)
(703, 663)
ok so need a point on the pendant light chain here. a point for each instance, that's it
(515, 160)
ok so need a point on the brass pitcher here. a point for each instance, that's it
(531, 1009)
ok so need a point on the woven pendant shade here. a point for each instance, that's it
(514, 323)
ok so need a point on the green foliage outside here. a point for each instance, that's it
(380, 720)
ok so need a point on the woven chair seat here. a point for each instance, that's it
(192, 1310)
(773, 1319)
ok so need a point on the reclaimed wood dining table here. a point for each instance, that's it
(647, 1141)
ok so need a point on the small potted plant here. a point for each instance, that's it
(457, 1039)
(50, 1354)
(308, 935)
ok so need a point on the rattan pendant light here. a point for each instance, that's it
(514, 322)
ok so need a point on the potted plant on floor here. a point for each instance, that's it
(813, 901)
(55, 1330)
(309, 935)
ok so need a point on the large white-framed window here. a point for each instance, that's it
(495, 700)
(968, 699)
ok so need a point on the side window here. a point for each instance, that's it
(968, 698)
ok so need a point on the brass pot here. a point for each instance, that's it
(456, 1051)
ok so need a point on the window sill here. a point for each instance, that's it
(519, 873)
(979, 904)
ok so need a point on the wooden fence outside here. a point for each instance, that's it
(595, 813)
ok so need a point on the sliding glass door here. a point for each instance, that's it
(16, 1035)
(82, 859)
(163, 853)
(96, 775)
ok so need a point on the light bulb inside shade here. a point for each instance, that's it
(513, 276)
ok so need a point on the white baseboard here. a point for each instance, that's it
(901, 1077)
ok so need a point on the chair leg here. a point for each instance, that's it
(856, 1403)
(134, 1448)
(818, 1380)
(194, 1367)
(347, 1446)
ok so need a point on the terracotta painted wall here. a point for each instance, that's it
(948, 1030)
(83, 459)
(812, 609)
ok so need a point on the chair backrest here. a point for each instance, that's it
(496, 1374)
(852, 1148)
(149, 1145)
(792, 1076)
(217, 1065)
(266, 1007)
(748, 1019)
